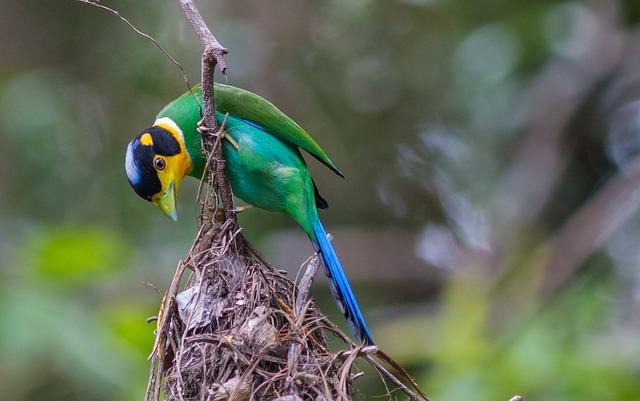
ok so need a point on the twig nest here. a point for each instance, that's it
(290, 398)
(259, 328)
(235, 387)
(195, 310)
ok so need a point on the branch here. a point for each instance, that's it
(212, 56)
(212, 47)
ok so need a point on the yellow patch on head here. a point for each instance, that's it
(146, 139)
(183, 165)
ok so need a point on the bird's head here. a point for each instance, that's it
(156, 162)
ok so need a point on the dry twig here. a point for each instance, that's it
(153, 40)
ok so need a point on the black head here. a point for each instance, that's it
(144, 160)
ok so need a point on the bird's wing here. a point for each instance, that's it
(257, 110)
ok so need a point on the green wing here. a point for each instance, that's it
(253, 108)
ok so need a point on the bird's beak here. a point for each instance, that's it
(167, 203)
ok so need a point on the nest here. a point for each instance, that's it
(240, 329)
(234, 334)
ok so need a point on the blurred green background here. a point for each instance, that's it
(488, 219)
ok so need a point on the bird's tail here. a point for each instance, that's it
(340, 287)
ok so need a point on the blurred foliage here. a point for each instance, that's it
(426, 105)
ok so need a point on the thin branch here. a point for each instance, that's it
(144, 35)
(403, 373)
(212, 56)
(391, 377)
(204, 33)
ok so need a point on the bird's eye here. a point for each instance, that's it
(159, 163)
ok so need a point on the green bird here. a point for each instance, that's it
(264, 167)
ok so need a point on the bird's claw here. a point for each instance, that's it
(202, 129)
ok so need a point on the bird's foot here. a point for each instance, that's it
(202, 129)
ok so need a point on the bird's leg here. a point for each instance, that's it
(200, 127)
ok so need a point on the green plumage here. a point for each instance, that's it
(248, 106)
(267, 170)
(269, 173)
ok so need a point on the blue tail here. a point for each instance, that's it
(340, 287)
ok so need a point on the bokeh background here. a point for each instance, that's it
(488, 219)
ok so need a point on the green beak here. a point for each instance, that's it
(167, 203)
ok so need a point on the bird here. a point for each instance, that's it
(264, 166)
